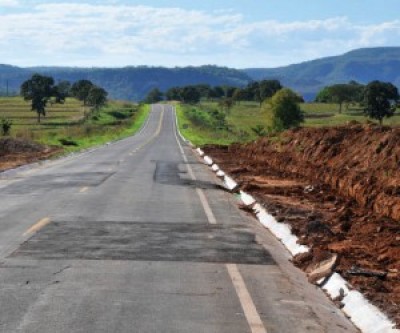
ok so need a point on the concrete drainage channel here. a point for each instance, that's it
(367, 317)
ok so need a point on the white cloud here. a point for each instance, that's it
(9, 3)
(117, 35)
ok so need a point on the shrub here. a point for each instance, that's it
(6, 126)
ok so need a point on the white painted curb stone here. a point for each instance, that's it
(221, 174)
(366, 316)
(334, 284)
(230, 184)
(247, 199)
(200, 152)
(208, 161)
(215, 168)
(281, 231)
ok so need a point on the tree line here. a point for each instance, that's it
(41, 90)
(255, 91)
(378, 99)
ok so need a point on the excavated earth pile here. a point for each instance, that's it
(16, 152)
(339, 189)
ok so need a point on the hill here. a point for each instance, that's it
(129, 83)
(362, 65)
(133, 83)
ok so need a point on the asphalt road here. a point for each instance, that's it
(137, 236)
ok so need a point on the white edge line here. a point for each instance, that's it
(252, 316)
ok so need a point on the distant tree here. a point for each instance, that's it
(238, 95)
(284, 110)
(323, 96)
(173, 94)
(357, 91)
(226, 104)
(38, 89)
(267, 89)
(252, 92)
(97, 97)
(217, 92)
(204, 90)
(380, 100)
(228, 91)
(62, 90)
(81, 89)
(341, 93)
(190, 95)
(154, 96)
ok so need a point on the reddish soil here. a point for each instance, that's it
(14, 152)
(339, 189)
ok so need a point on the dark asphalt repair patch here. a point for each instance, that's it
(168, 173)
(145, 242)
(57, 181)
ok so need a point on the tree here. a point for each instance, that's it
(267, 89)
(252, 92)
(38, 89)
(341, 93)
(173, 94)
(226, 104)
(97, 97)
(154, 96)
(190, 95)
(284, 110)
(204, 90)
(238, 95)
(81, 89)
(62, 91)
(380, 100)
(217, 92)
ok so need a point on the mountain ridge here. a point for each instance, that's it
(134, 82)
(361, 65)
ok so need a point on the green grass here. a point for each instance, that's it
(247, 115)
(201, 135)
(72, 126)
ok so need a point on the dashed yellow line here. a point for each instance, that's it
(155, 135)
(37, 226)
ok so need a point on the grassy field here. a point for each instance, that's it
(71, 125)
(243, 117)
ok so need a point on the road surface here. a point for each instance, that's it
(138, 236)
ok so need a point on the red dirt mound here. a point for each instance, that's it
(339, 189)
(16, 152)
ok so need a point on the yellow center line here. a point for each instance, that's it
(37, 226)
(156, 134)
(84, 189)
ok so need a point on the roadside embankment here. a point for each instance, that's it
(16, 152)
(339, 189)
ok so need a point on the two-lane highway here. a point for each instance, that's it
(137, 236)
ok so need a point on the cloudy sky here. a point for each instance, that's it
(236, 33)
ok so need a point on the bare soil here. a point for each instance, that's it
(15, 152)
(339, 189)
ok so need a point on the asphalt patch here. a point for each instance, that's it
(145, 242)
(169, 173)
(57, 181)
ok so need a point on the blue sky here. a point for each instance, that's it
(250, 33)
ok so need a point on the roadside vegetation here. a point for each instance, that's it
(237, 115)
(70, 116)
